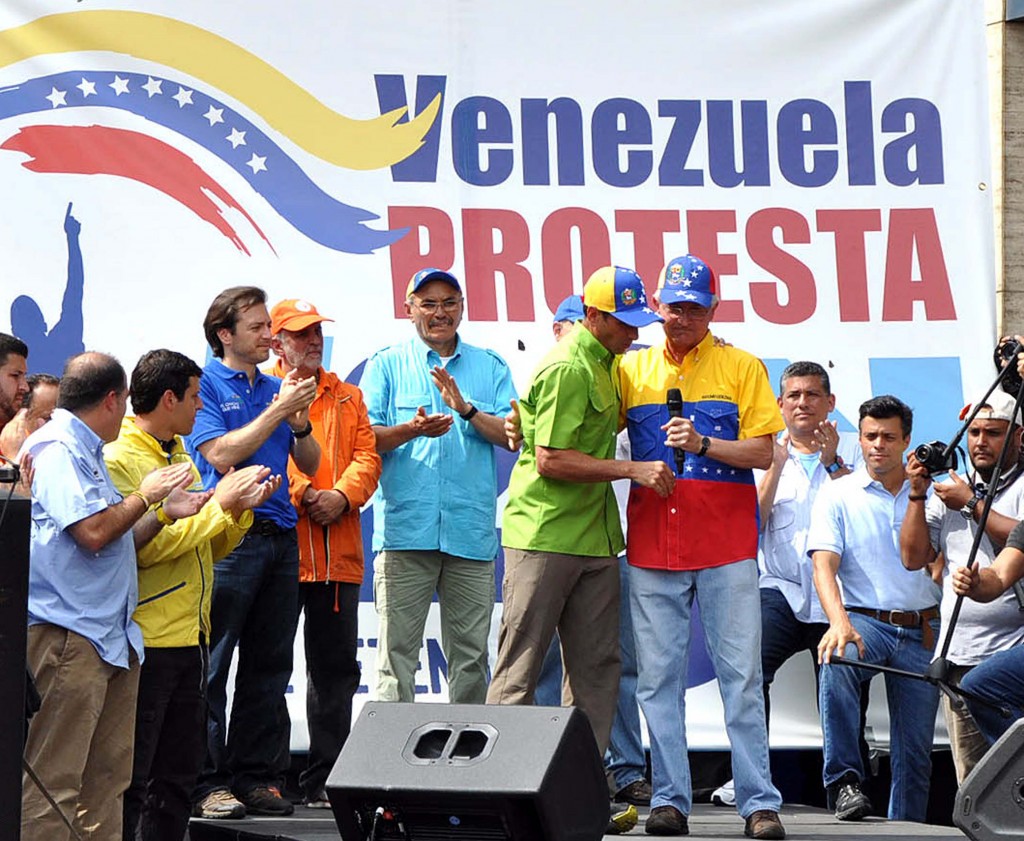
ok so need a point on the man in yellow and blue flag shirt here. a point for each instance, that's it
(700, 541)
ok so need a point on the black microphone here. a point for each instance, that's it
(674, 401)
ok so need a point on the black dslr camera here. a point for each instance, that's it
(932, 456)
(1005, 357)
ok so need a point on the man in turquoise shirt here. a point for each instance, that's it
(435, 512)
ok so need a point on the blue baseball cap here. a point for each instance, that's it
(619, 292)
(426, 275)
(571, 309)
(687, 279)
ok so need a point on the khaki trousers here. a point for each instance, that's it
(579, 596)
(80, 741)
(965, 739)
(404, 583)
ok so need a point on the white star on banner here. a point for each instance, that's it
(119, 85)
(214, 115)
(236, 138)
(257, 164)
(183, 97)
(152, 86)
(87, 88)
(56, 97)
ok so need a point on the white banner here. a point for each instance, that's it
(830, 161)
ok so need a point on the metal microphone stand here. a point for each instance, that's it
(938, 671)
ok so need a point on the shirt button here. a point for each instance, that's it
(672, 510)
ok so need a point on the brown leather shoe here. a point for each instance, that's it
(666, 820)
(764, 823)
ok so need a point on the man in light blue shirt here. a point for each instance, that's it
(83, 646)
(434, 516)
(886, 615)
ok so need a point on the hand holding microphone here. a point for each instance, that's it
(674, 401)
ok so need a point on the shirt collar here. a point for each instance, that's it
(426, 349)
(692, 356)
(589, 344)
(864, 480)
(217, 367)
(81, 430)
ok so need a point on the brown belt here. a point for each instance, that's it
(905, 619)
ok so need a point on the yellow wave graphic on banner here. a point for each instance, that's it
(289, 108)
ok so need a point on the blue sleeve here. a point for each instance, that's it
(377, 391)
(209, 420)
(504, 389)
(66, 487)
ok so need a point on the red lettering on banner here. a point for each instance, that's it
(575, 242)
(556, 250)
(406, 256)
(702, 230)
(802, 297)
(484, 261)
(850, 226)
(910, 229)
(648, 228)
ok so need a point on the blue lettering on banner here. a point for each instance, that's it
(809, 141)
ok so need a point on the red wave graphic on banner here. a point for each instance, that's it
(98, 150)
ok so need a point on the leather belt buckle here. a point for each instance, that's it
(904, 618)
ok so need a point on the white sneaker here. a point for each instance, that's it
(724, 795)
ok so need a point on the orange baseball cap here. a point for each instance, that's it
(294, 314)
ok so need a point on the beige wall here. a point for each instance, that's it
(1006, 105)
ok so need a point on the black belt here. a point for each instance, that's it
(905, 619)
(267, 528)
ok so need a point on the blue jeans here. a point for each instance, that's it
(999, 679)
(625, 757)
(782, 636)
(730, 611)
(549, 685)
(912, 708)
(255, 607)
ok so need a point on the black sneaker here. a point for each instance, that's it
(666, 820)
(852, 804)
(266, 800)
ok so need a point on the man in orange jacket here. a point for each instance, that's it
(330, 539)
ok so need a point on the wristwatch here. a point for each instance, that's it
(835, 466)
(468, 414)
(705, 442)
(967, 512)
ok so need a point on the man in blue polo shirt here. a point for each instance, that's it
(248, 418)
(434, 518)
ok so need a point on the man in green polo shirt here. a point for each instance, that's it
(561, 529)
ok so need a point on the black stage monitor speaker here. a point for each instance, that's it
(990, 803)
(471, 772)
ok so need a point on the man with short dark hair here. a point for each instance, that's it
(885, 614)
(36, 407)
(434, 516)
(249, 417)
(942, 518)
(13, 385)
(175, 558)
(330, 537)
(84, 648)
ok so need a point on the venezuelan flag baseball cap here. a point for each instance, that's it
(571, 309)
(426, 275)
(619, 292)
(687, 279)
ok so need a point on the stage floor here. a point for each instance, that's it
(802, 822)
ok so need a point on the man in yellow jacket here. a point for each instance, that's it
(330, 538)
(175, 559)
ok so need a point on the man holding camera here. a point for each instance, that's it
(885, 615)
(946, 522)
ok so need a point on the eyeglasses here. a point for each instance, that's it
(431, 307)
(694, 312)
